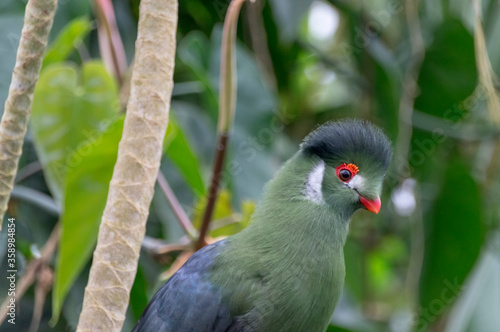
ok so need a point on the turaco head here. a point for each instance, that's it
(352, 158)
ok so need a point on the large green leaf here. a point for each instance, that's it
(333, 328)
(448, 74)
(85, 191)
(179, 150)
(67, 40)
(70, 110)
(478, 306)
(453, 238)
(138, 294)
(447, 77)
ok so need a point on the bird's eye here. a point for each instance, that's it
(345, 175)
(345, 172)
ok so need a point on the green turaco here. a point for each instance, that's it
(285, 271)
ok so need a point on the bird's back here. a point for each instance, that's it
(188, 302)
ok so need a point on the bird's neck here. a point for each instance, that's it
(293, 249)
(287, 217)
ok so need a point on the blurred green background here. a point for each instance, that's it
(430, 261)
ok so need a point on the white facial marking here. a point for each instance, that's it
(312, 191)
(357, 182)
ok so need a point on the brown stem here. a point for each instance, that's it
(109, 38)
(227, 105)
(485, 72)
(179, 212)
(32, 269)
(258, 38)
(214, 188)
(227, 78)
(45, 280)
(410, 87)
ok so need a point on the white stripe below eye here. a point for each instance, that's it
(357, 182)
(312, 190)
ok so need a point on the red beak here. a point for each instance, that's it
(372, 206)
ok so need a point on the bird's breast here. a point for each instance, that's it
(301, 297)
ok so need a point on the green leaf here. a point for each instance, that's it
(69, 111)
(333, 328)
(86, 191)
(194, 52)
(447, 77)
(448, 74)
(453, 237)
(138, 294)
(478, 306)
(179, 150)
(67, 40)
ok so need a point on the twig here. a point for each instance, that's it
(409, 87)
(405, 125)
(32, 269)
(486, 75)
(258, 38)
(110, 42)
(227, 105)
(467, 132)
(45, 279)
(28, 171)
(214, 188)
(179, 212)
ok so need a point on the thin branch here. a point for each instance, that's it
(176, 265)
(468, 132)
(258, 38)
(32, 270)
(227, 105)
(405, 125)
(213, 191)
(110, 42)
(45, 279)
(171, 247)
(28, 171)
(486, 75)
(410, 87)
(179, 212)
(37, 24)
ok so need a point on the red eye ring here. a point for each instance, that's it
(345, 172)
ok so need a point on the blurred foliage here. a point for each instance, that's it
(430, 261)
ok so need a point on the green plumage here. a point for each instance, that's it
(284, 272)
(287, 267)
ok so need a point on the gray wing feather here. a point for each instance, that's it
(188, 302)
